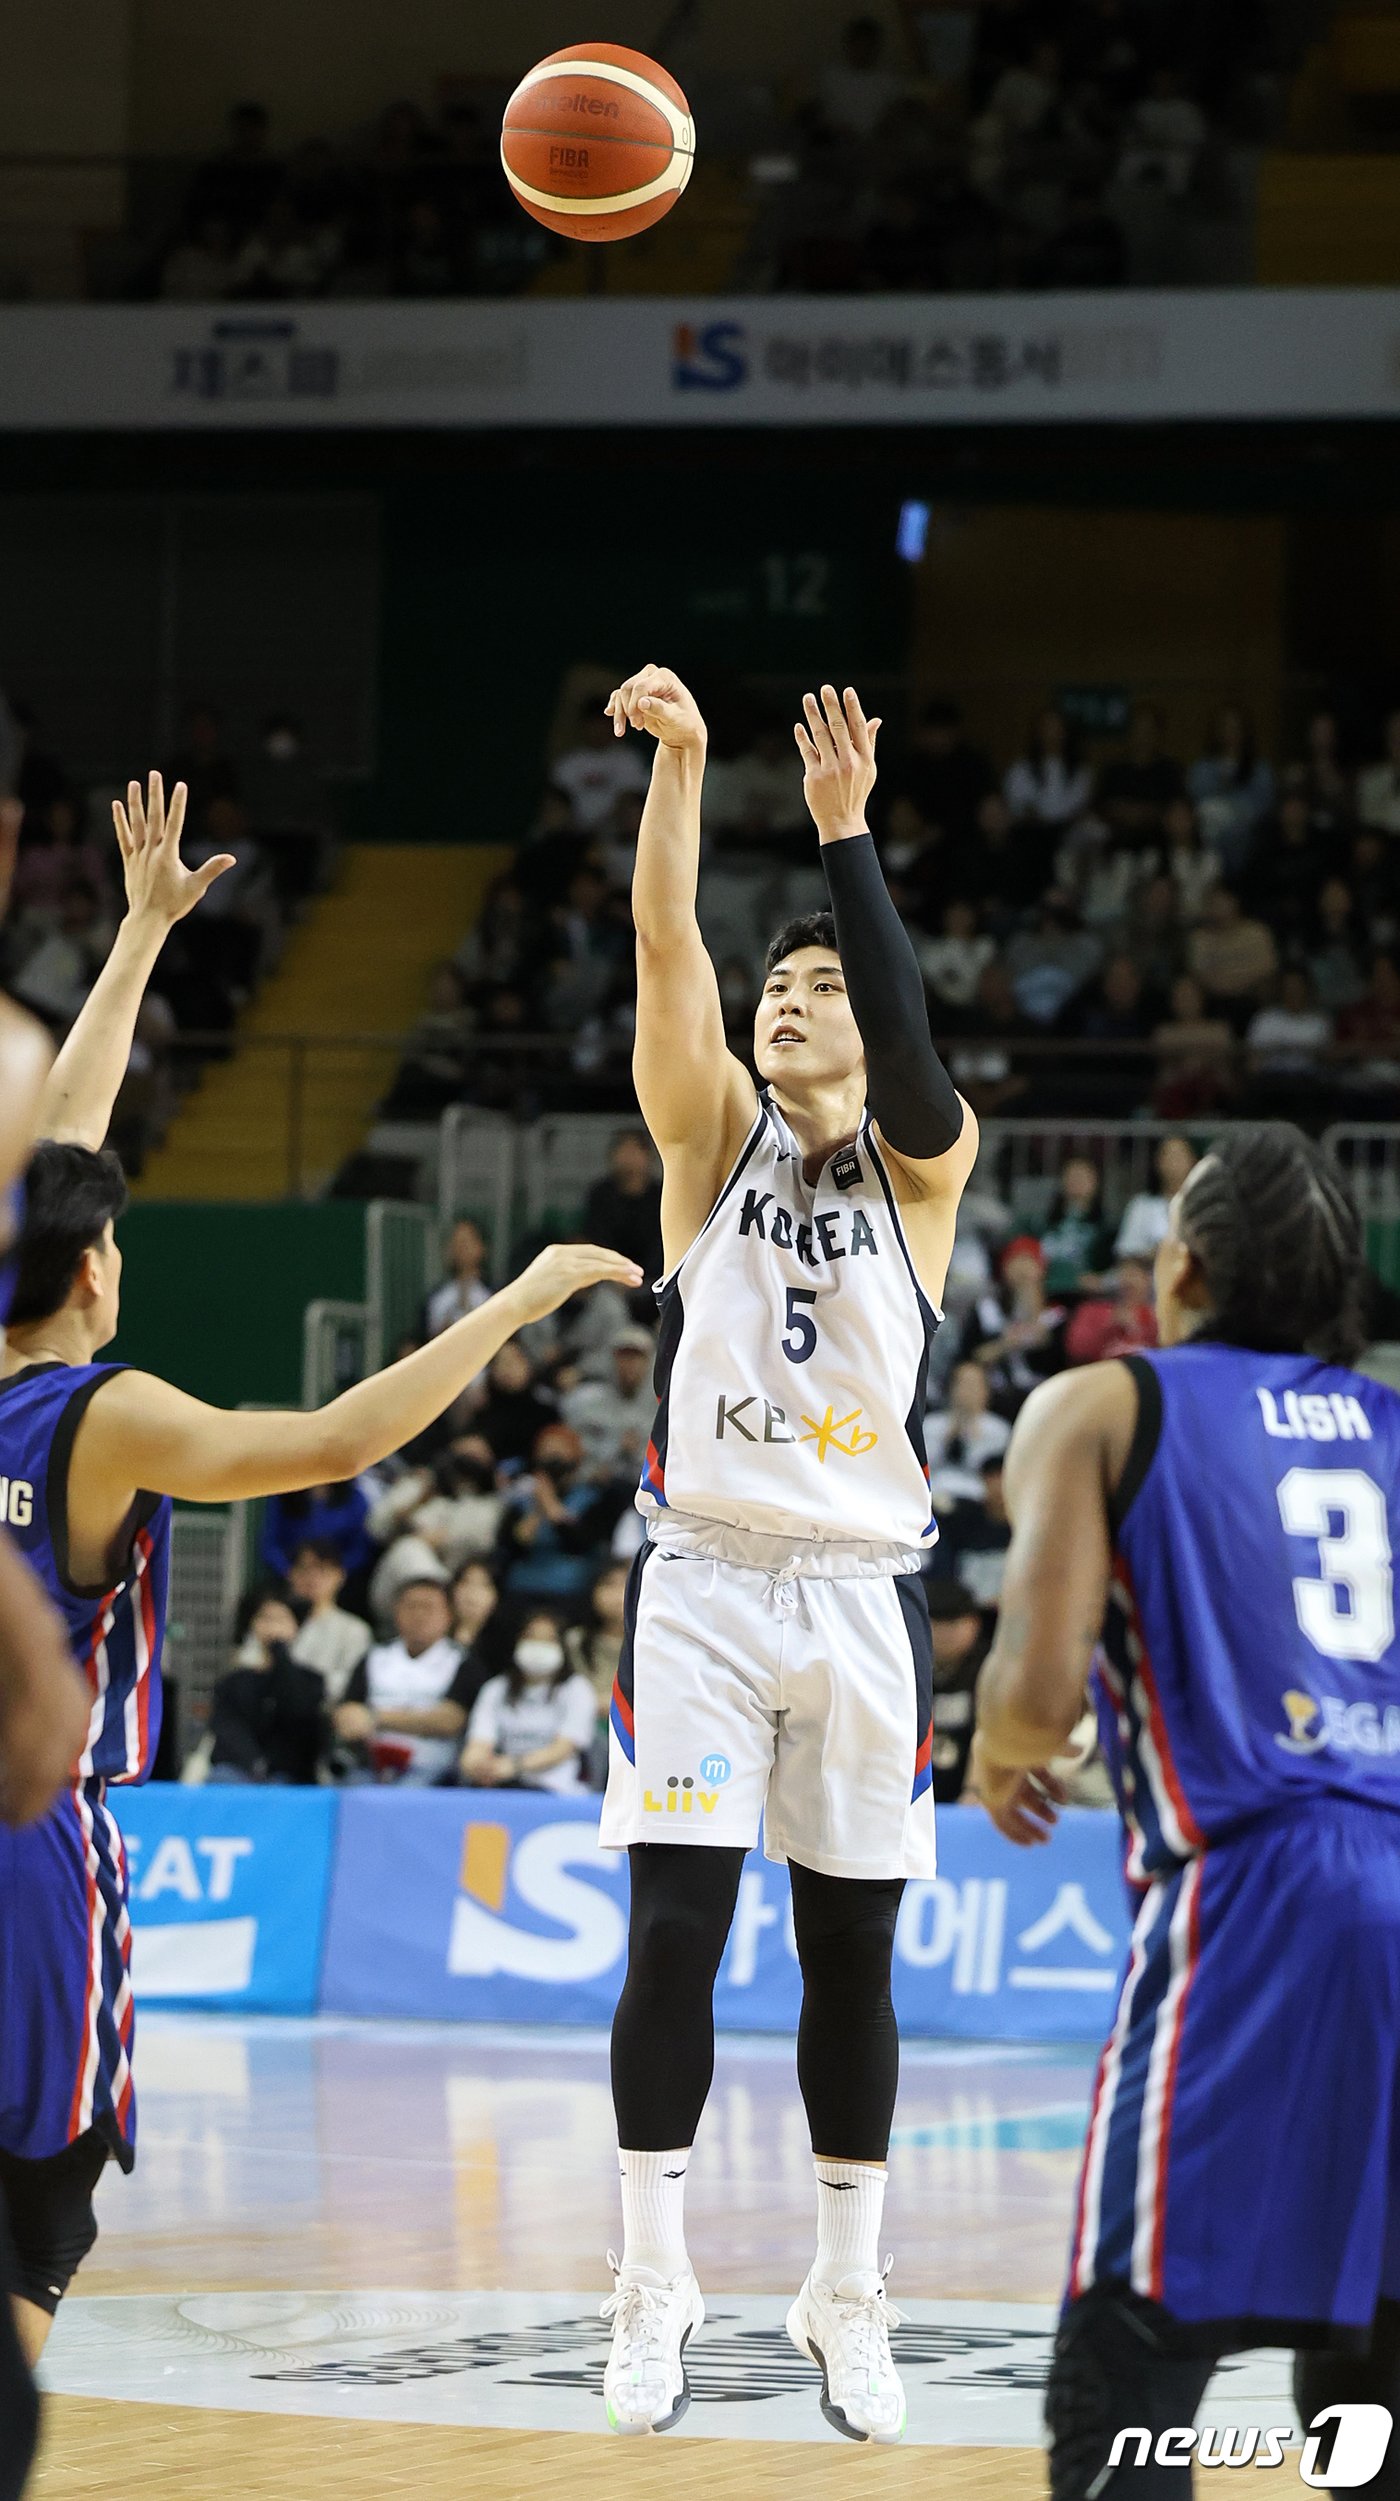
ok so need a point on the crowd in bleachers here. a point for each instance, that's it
(268, 807)
(1004, 143)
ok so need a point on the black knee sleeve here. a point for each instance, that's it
(52, 2225)
(847, 2040)
(1114, 2371)
(663, 2040)
(1327, 2379)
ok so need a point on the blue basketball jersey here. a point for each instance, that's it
(1249, 1659)
(116, 1628)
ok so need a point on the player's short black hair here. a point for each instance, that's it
(1279, 1243)
(810, 929)
(71, 1196)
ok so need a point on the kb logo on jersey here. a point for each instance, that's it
(830, 1431)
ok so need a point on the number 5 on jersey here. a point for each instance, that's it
(800, 1342)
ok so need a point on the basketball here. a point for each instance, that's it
(598, 142)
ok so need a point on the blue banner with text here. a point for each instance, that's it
(501, 1907)
(228, 1894)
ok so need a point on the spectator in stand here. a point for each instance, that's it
(55, 979)
(1232, 786)
(1117, 1011)
(405, 1706)
(286, 803)
(1336, 956)
(1153, 933)
(423, 262)
(1074, 1237)
(757, 805)
(513, 1410)
(267, 1717)
(329, 1638)
(333, 1515)
(958, 1439)
(533, 1727)
(613, 1418)
(1049, 785)
(960, 1644)
(203, 764)
(1370, 1034)
(1378, 785)
(240, 184)
(953, 965)
(1122, 1323)
(1193, 865)
(595, 1649)
(1016, 1334)
(1288, 868)
(56, 853)
(476, 1622)
(1147, 1216)
(973, 1541)
(500, 947)
(1136, 789)
(584, 950)
(980, 1065)
(1195, 1056)
(433, 1072)
(919, 861)
(1053, 961)
(1325, 777)
(1000, 870)
(596, 769)
(623, 1210)
(437, 1518)
(1235, 960)
(555, 1520)
(856, 92)
(464, 1287)
(284, 257)
(204, 266)
(1165, 134)
(1374, 882)
(945, 776)
(1287, 1044)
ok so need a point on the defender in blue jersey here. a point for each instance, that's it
(91, 1454)
(1215, 1526)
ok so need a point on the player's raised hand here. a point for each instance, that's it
(565, 1268)
(837, 747)
(656, 700)
(159, 886)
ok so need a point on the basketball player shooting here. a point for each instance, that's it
(92, 1455)
(777, 1659)
(1215, 1526)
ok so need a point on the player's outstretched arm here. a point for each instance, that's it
(142, 1434)
(1065, 1458)
(160, 890)
(921, 1117)
(693, 1093)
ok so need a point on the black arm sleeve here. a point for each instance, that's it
(908, 1088)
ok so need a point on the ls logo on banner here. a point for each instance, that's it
(539, 1871)
(708, 359)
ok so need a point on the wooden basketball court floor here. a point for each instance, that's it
(366, 2260)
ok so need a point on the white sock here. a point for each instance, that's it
(850, 2202)
(653, 2212)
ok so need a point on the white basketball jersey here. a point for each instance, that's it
(792, 1354)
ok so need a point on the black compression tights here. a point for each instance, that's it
(663, 2042)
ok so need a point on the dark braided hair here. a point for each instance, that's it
(1279, 1244)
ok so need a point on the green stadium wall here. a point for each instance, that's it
(213, 1296)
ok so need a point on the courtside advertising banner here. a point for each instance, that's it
(503, 1908)
(228, 1894)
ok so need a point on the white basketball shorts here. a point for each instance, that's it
(797, 1694)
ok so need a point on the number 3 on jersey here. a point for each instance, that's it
(1356, 1563)
(800, 1343)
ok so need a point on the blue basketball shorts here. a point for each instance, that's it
(66, 2014)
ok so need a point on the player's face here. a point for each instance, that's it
(804, 1033)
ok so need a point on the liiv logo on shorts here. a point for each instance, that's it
(682, 1796)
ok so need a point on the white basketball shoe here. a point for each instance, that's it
(846, 2332)
(644, 2386)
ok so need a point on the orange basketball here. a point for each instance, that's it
(598, 142)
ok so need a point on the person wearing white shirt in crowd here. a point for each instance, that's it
(857, 92)
(1378, 785)
(953, 964)
(613, 1418)
(959, 1441)
(596, 769)
(532, 1728)
(330, 1638)
(1290, 1038)
(1048, 785)
(463, 1289)
(406, 1699)
(1148, 1212)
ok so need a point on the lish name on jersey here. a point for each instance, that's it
(787, 1232)
(1307, 1416)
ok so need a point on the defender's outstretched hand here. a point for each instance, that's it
(837, 747)
(565, 1268)
(656, 700)
(159, 887)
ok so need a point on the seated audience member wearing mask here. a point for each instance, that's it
(532, 1727)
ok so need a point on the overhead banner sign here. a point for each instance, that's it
(228, 1894)
(503, 1908)
(763, 360)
